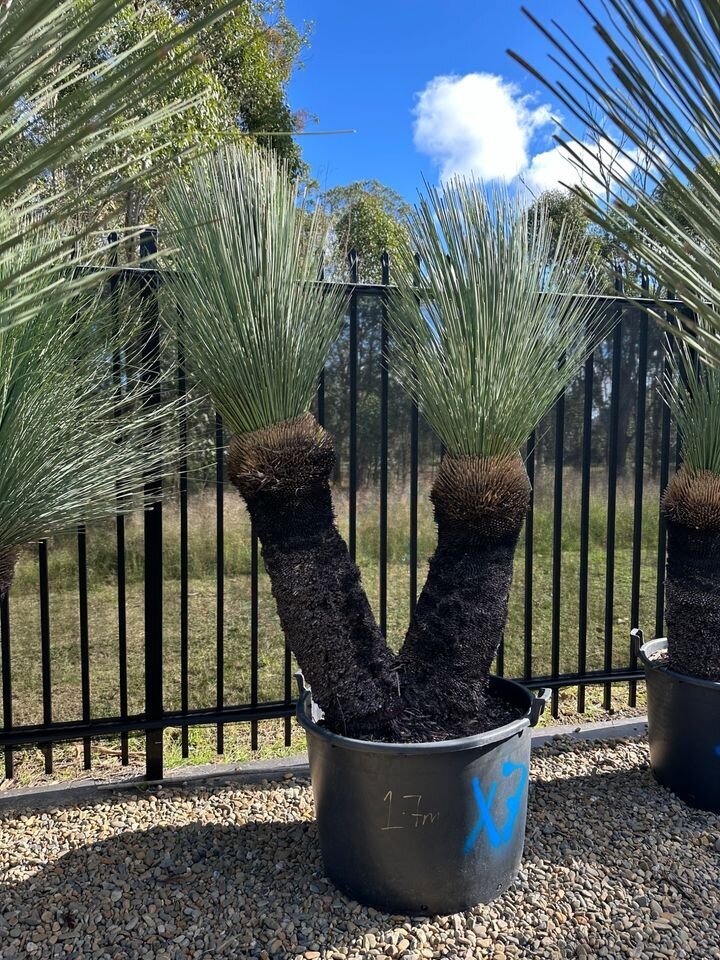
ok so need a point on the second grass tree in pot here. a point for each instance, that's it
(683, 669)
(691, 505)
(655, 96)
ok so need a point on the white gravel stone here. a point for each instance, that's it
(615, 866)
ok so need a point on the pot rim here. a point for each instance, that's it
(660, 643)
(489, 737)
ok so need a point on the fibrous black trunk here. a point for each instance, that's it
(692, 601)
(691, 504)
(461, 614)
(283, 475)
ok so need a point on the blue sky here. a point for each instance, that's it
(371, 64)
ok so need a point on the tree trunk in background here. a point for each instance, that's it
(283, 474)
(627, 399)
(460, 617)
(8, 561)
(692, 593)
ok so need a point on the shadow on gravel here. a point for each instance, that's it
(601, 849)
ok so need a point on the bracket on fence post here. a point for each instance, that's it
(152, 529)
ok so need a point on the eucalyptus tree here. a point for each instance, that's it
(78, 443)
(238, 85)
(368, 218)
(487, 336)
(256, 328)
(95, 111)
(661, 84)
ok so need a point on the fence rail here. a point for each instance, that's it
(612, 397)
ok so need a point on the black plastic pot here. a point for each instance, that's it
(423, 828)
(683, 728)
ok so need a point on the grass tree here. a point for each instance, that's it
(659, 86)
(76, 444)
(655, 102)
(257, 327)
(495, 324)
(691, 504)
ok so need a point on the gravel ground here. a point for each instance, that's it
(615, 867)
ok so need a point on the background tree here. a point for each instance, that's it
(236, 85)
(566, 214)
(52, 116)
(369, 218)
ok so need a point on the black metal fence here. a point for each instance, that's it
(590, 566)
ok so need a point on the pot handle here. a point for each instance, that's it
(304, 691)
(638, 639)
(540, 701)
(300, 680)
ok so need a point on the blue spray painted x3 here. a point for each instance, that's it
(497, 836)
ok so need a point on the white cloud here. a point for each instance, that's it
(550, 168)
(482, 126)
(476, 125)
(600, 162)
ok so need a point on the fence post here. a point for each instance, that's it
(384, 445)
(639, 490)
(114, 240)
(353, 360)
(414, 478)
(555, 625)
(613, 428)
(152, 526)
(7, 696)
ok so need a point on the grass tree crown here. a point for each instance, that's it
(257, 326)
(692, 390)
(691, 505)
(649, 108)
(489, 328)
(255, 320)
(494, 321)
(78, 443)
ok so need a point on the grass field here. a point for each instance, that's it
(64, 613)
